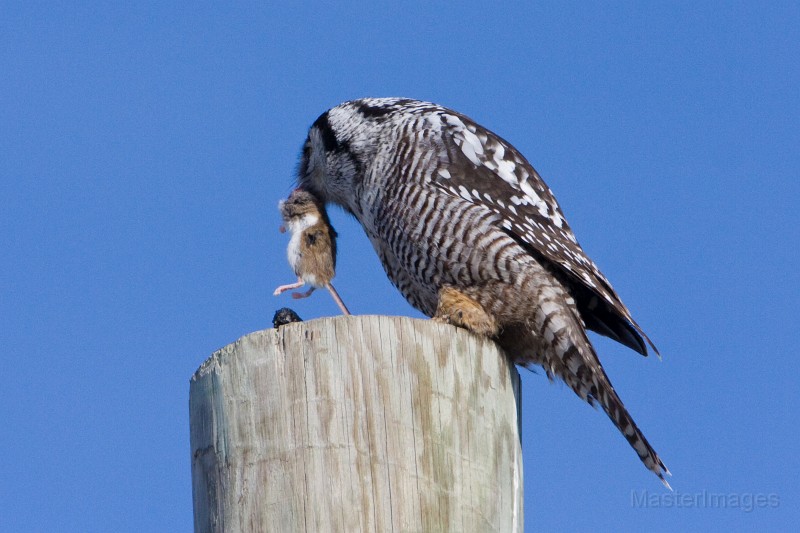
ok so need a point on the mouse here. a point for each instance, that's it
(312, 245)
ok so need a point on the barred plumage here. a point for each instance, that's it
(468, 232)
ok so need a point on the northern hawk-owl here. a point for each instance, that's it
(469, 232)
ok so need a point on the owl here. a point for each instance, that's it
(470, 234)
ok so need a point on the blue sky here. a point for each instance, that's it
(143, 150)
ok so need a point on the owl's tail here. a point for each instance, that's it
(598, 389)
(556, 340)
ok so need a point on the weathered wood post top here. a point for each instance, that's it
(359, 423)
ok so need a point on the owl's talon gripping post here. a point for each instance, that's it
(460, 310)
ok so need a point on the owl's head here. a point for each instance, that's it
(342, 147)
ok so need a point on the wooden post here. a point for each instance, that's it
(359, 423)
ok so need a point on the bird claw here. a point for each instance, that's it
(460, 310)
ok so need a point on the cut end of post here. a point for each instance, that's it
(357, 423)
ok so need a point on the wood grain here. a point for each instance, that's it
(359, 423)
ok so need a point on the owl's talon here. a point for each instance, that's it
(460, 310)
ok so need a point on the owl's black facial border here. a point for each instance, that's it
(329, 140)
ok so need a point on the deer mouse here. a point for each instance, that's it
(312, 246)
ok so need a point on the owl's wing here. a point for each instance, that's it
(484, 169)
